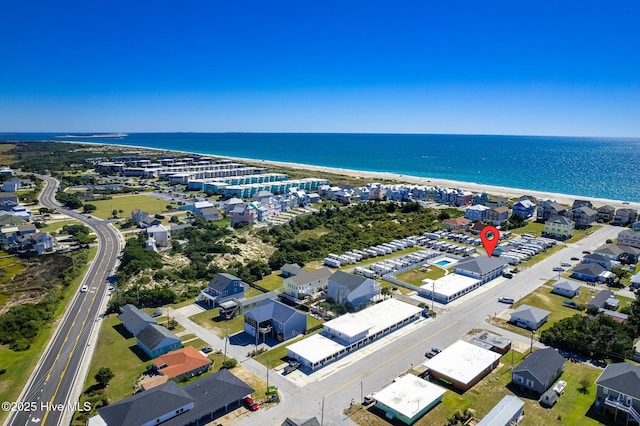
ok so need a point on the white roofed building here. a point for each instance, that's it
(462, 364)
(408, 398)
(448, 288)
(350, 332)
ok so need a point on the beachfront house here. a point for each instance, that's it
(606, 214)
(524, 208)
(583, 216)
(624, 217)
(559, 228)
(549, 209)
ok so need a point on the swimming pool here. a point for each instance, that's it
(443, 263)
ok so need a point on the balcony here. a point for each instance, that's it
(620, 405)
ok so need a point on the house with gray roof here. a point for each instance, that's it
(583, 216)
(529, 317)
(354, 291)
(199, 402)
(208, 213)
(635, 280)
(559, 228)
(482, 268)
(300, 422)
(134, 319)
(566, 288)
(548, 209)
(222, 287)
(156, 340)
(601, 260)
(606, 213)
(618, 392)
(624, 217)
(274, 319)
(601, 299)
(588, 271)
(629, 237)
(307, 283)
(539, 370)
(290, 269)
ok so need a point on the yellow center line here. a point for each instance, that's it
(377, 367)
(64, 371)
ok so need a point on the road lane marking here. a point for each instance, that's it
(377, 367)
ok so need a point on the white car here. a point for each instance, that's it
(84, 289)
(559, 387)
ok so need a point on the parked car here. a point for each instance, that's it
(586, 252)
(293, 366)
(156, 314)
(433, 352)
(568, 304)
(507, 275)
(575, 258)
(368, 399)
(206, 350)
(565, 264)
(559, 387)
(558, 269)
(507, 300)
(251, 403)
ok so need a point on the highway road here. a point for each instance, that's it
(369, 373)
(47, 397)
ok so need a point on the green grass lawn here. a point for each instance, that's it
(209, 320)
(271, 282)
(415, 276)
(127, 203)
(571, 409)
(19, 365)
(313, 233)
(532, 227)
(54, 227)
(10, 266)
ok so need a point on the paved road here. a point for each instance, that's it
(370, 373)
(49, 393)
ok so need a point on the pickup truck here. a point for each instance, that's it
(573, 305)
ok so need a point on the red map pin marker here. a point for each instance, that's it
(489, 243)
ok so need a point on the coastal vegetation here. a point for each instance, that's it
(358, 226)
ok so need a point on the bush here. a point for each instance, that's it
(230, 363)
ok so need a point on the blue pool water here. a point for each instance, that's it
(443, 263)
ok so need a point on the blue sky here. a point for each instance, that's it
(511, 67)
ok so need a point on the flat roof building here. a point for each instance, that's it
(462, 364)
(408, 398)
(448, 288)
(350, 332)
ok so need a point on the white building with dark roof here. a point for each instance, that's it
(482, 268)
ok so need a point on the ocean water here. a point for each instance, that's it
(581, 166)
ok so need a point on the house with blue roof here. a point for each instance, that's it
(524, 208)
(275, 319)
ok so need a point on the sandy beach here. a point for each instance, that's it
(374, 176)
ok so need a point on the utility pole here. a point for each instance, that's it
(322, 413)
(531, 349)
(226, 337)
(361, 393)
(433, 294)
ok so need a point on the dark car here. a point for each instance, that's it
(156, 314)
(507, 275)
(586, 252)
(206, 350)
(293, 366)
(574, 258)
(433, 352)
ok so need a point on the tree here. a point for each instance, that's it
(87, 208)
(103, 376)
(114, 213)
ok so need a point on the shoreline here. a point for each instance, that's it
(502, 191)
